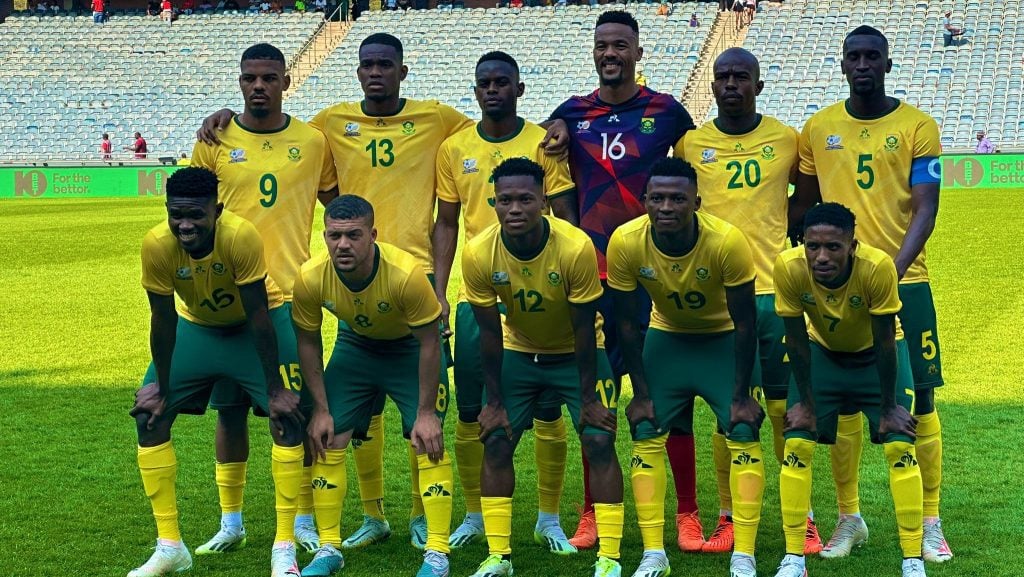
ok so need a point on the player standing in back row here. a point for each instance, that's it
(879, 157)
(616, 134)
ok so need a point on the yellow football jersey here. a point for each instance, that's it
(840, 318)
(208, 287)
(744, 180)
(391, 162)
(397, 298)
(865, 164)
(271, 179)
(688, 292)
(536, 292)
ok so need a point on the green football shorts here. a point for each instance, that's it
(362, 371)
(227, 394)
(683, 366)
(207, 355)
(771, 349)
(529, 381)
(848, 384)
(922, 334)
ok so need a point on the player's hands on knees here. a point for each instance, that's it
(556, 140)
(493, 417)
(320, 432)
(639, 410)
(285, 405)
(149, 400)
(213, 124)
(746, 410)
(897, 421)
(800, 417)
(427, 435)
(597, 415)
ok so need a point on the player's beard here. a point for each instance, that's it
(259, 112)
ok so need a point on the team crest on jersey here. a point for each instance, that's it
(703, 273)
(408, 127)
(554, 279)
(830, 299)
(647, 125)
(768, 152)
(499, 278)
(351, 129)
(648, 273)
(892, 143)
(329, 305)
(267, 146)
(856, 302)
(708, 155)
(218, 268)
(864, 134)
(583, 126)
(832, 142)
(183, 273)
(383, 307)
(807, 298)
(469, 166)
(237, 155)
(293, 154)
(526, 272)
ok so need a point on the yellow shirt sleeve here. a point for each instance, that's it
(926, 139)
(620, 276)
(556, 175)
(418, 299)
(787, 299)
(479, 292)
(156, 274)
(737, 259)
(204, 156)
(328, 172)
(319, 121)
(306, 311)
(884, 287)
(453, 120)
(806, 150)
(446, 188)
(247, 255)
(584, 280)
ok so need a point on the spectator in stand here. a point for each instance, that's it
(739, 7)
(985, 145)
(98, 16)
(663, 9)
(254, 7)
(188, 7)
(276, 7)
(391, 5)
(516, 4)
(184, 160)
(231, 5)
(264, 7)
(319, 5)
(42, 8)
(106, 147)
(951, 35)
(166, 11)
(694, 23)
(300, 6)
(641, 80)
(404, 4)
(153, 8)
(751, 6)
(54, 8)
(139, 146)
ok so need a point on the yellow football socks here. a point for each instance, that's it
(497, 513)
(159, 468)
(929, 455)
(369, 456)
(414, 470)
(286, 470)
(647, 468)
(469, 457)
(551, 444)
(436, 487)
(305, 502)
(747, 482)
(795, 492)
(846, 462)
(609, 517)
(330, 484)
(905, 484)
(230, 486)
(723, 463)
(777, 414)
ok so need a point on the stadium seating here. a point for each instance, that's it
(66, 80)
(553, 48)
(975, 86)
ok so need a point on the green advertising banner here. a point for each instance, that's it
(83, 182)
(982, 171)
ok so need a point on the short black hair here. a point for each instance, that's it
(832, 214)
(349, 207)
(499, 56)
(519, 167)
(672, 166)
(865, 30)
(105, 135)
(618, 17)
(385, 39)
(192, 182)
(263, 51)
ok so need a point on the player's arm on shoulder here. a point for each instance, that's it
(213, 124)
(445, 242)
(556, 141)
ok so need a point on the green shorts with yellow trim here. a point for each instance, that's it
(362, 371)
(204, 356)
(771, 349)
(530, 381)
(846, 384)
(227, 394)
(683, 366)
(922, 334)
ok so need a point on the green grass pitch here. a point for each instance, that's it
(74, 332)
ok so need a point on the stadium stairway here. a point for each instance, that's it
(697, 96)
(314, 52)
